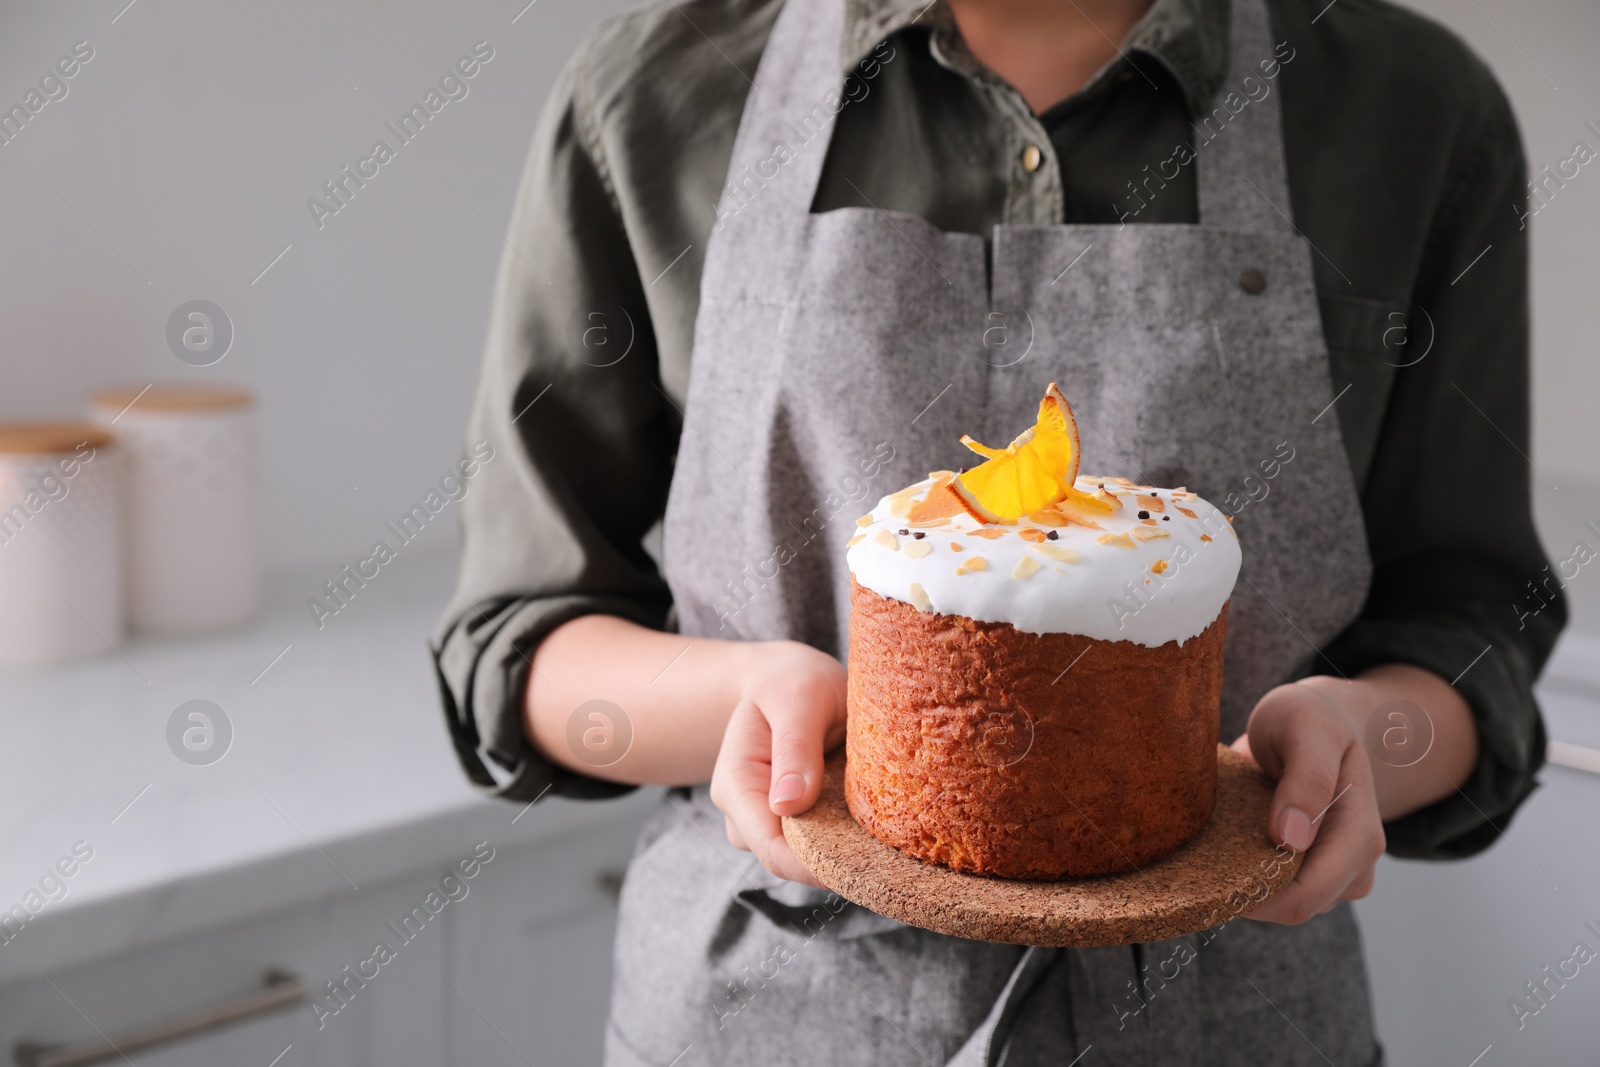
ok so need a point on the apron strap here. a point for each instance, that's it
(788, 120)
(1242, 178)
(987, 1045)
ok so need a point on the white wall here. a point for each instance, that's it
(191, 142)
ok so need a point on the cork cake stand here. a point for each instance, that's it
(1229, 868)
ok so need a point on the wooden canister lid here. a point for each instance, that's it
(173, 397)
(49, 438)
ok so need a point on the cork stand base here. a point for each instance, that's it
(1228, 869)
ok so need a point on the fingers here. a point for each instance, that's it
(1340, 867)
(799, 728)
(770, 762)
(1299, 738)
(1324, 801)
(740, 787)
(1361, 887)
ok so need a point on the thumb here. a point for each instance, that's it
(1297, 741)
(799, 733)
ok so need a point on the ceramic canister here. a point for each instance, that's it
(194, 555)
(61, 564)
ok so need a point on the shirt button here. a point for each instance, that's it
(1252, 281)
(1031, 158)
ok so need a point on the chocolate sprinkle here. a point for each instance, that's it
(1052, 536)
(1144, 514)
(905, 533)
(919, 535)
(1166, 518)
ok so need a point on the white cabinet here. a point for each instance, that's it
(516, 969)
(340, 776)
(395, 1019)
(1449, 945)
(532, 965)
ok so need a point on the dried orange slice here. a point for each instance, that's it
(971, 505)
(1035, 470)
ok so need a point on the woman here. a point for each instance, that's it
(763, 248)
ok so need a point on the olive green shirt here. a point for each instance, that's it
(1407, 179)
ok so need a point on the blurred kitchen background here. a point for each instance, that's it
(176, 168)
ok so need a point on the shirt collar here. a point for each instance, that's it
(1188, 37)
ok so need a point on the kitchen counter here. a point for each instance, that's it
(339, 774)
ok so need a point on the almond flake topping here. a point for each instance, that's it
(1120, 540)
(916, 549)
(1056, 552)
(973, 563)
(918, 597)
(1026, 567)
(887, 540)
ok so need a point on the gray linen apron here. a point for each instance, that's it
(839, 356)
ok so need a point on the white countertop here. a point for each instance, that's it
(340, 772)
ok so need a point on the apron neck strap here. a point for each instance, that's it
(789, 117)
(1242, 179)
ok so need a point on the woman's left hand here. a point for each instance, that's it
(1309, 736)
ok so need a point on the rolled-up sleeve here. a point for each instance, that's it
(1447, 502)
(582, 440)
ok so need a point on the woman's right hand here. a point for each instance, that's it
(791, 710)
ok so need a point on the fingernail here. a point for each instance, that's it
(791, 786)
(1295, 829)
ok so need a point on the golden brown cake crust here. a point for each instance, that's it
(968, 745)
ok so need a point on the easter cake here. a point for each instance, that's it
(1035, 663)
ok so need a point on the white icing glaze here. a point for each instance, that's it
(1110, 593)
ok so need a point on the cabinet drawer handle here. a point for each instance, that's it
(1577, 757)
(279, 991)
